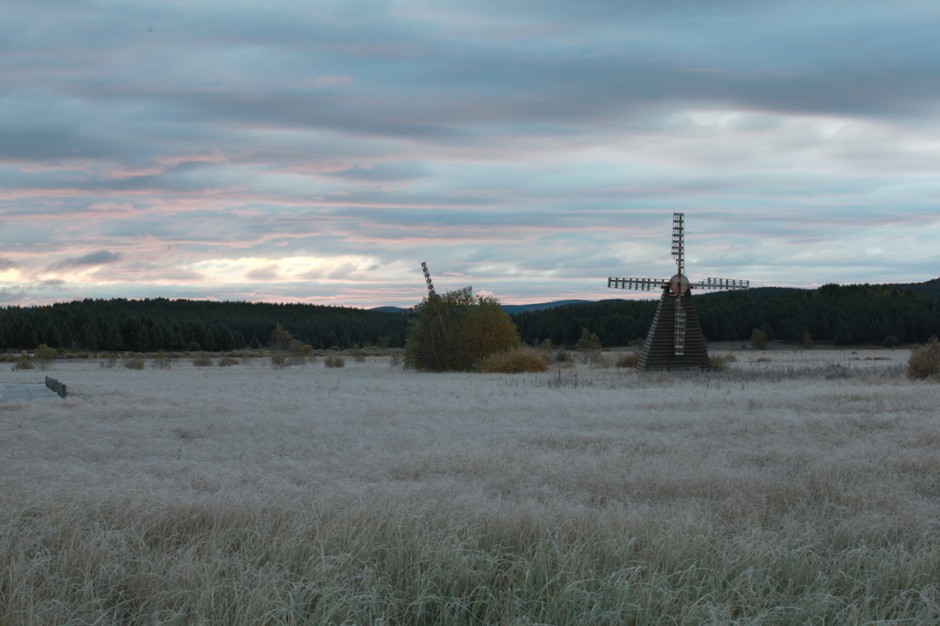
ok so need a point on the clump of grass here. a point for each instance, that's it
(334, 361)
(515, 361)
(564, 357)
(202, 360)
(161, 360)
(358, 355)
(719, 363)
(924, 363)
(227, 361)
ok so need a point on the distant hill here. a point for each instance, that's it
(928, 289)
(511, 309)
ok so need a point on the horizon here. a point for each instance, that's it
(318, 153)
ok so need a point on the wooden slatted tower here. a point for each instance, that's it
(675, 339)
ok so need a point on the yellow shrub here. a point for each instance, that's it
(515, 362)
(925, 361)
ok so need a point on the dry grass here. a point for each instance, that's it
(255, 495)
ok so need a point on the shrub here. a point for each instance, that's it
(514, 362)
(563, 357)
(24, 361)
(628, 359)
(720, 363)
(45, 355)
(334, 360)
(279, 359)
(227, 361)
(134, 361)
(759, 339)
(456, 331)
(924, 362)
(202, 360)
(161, 360)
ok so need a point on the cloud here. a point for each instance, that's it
(92, 259)
(322, 150)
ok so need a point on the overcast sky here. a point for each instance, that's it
(319, 151)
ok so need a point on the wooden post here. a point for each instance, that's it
(56, 386)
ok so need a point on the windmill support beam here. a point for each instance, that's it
(660, 348)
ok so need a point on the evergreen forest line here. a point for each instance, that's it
(844, 315)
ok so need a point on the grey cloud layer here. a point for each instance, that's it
(478, 131)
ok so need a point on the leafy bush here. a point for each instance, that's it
(924, 362)
(759, 339)
(456, 331)
(515, 361)
(202, 360)
(334, 360)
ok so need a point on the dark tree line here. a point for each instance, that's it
(844, 315)
(854, 314)
(161, 324)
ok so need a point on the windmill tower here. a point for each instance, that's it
(675, 339)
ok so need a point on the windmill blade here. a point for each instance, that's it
(725, 284)
(678, 245)
(427, 276)
(639, 284)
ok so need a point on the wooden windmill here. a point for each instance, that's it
(675, 339)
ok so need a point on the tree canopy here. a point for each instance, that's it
(456, 331)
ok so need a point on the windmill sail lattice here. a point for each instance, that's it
(675, 338)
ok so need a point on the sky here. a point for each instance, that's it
(319, 151)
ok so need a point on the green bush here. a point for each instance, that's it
(924, 363)
(515, 362)
(334, 360)
(759, 339)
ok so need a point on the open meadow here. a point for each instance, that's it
(795, 487)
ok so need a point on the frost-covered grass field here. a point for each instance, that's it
(796, 487)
